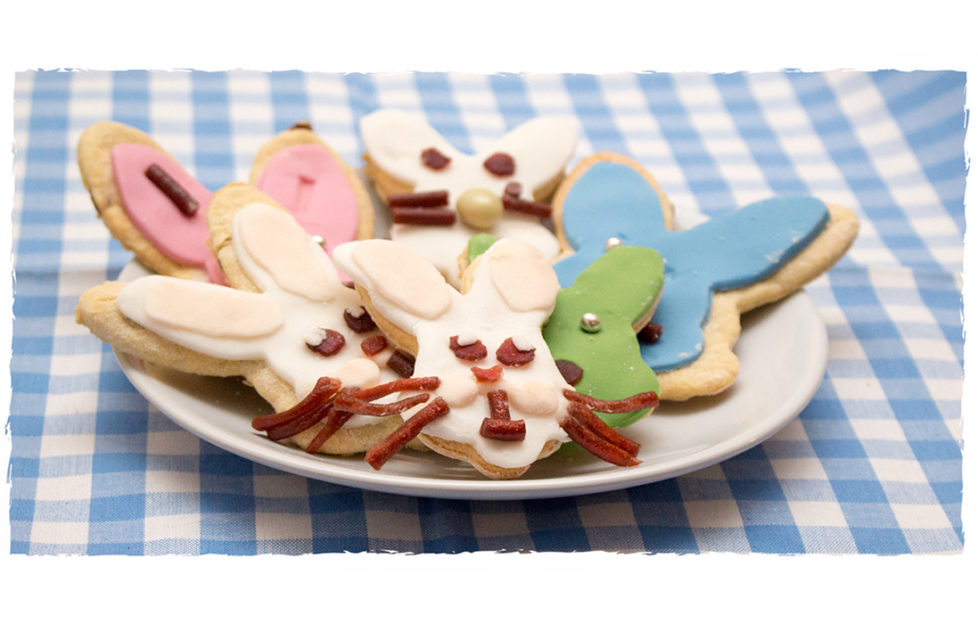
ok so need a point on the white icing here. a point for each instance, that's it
(467, 338)
(356, 311)
(522, 343)
(522, 279)
(286, 253)
(540, 148)
(459, 389)
(315, 336)
(221, 313)
(284, 350)
(481, 312)
(400, 277)
(533, 397)
(361, 372)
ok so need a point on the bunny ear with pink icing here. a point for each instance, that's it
(149, 202)
(300, 171)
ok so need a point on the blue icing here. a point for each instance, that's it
(733, 251)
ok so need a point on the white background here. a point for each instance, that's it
(503, 35)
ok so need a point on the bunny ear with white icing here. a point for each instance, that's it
(190, 314)
(521, 276)
(540, 148)
(274, 249)
(405, 287)
(396, 138)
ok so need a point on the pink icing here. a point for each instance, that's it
(308, 181)
(180, 238)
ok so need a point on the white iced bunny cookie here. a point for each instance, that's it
(502, 403)
(440, 197)
(287, 324)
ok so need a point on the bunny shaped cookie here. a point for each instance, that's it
(593, 331)
(714, 271)
(157, 210)
(502, 402)
(287, 324)
(441, 197)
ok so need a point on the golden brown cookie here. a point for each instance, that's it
(287, 322)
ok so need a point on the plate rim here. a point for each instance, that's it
(295, 461)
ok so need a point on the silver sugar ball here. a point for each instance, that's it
(319, 240)
(613, 242)
(590, 322)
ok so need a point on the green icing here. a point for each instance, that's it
(478, 245)
(620, 287)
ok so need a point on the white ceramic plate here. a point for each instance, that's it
(782, 351)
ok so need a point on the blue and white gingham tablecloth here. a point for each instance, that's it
(873, 464)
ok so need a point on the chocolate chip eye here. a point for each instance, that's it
(510, 354)
(358, 319)
(473, 350)
(325, 342)
(500, 164)
(433, 159)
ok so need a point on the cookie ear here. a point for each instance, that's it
(405, 288)
(749, 244)
(540, 148)
(587, 214)
(149, 202)
(622, 288)
(222, 317)
(396, 138)
(300, 171)
(518, 273)
(273, 248)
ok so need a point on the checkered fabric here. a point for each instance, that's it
(872, 465)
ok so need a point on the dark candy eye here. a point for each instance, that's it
(358, 320)
(472, 351)
(510, 353)
(433, 159)
(326, 342)
(500, 164)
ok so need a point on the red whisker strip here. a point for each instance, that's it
(408, 430)
(506, 430)
(596, 445)
(299, 424)
(424, 216)
(398, 385)
(589, 419)
(331, 424)
(498, 404)
(429, 199)
(358, 406)
(324, 390)
(621, 406)
(537, 209)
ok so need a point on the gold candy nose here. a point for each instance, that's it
(479, 208)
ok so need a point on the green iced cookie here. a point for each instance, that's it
(620, 289)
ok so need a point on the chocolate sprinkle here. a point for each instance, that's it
(401, 363)
(650, 333)
(572, 372)
(183, 200)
